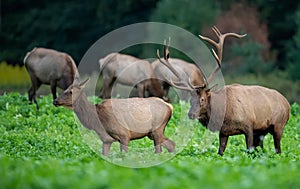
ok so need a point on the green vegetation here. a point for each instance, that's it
(45, 149)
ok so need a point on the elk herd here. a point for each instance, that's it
(251, 110)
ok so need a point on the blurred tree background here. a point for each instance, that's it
(269, 56)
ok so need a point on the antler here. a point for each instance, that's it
(166, 58)
(188, 86)
(219, 47)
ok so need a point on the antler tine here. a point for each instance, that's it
(216, 30)
(219, 47)
(182, 85)
(196, 86)
(234, 35)
(178, 86)
(166, 59)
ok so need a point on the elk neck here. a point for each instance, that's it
(87, 114)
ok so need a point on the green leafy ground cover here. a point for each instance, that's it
(45, 149)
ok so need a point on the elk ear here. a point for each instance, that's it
(211, 89)
(83, 84)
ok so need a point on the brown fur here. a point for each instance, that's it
(128, 70)
(47, 66)
(120, 120)
(238, 109)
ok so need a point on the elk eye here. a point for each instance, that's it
(201, 99)
(70, 91)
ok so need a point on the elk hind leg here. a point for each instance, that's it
(169, 145)
(35, 85)
(277, 138)
(124, 144)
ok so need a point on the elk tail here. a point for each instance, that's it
(72, 63)
(104, 61)
(28, 54)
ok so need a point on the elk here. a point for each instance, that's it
(120, 120)
(128, 70)
(185, 69)
(235, 109)
(47, 66)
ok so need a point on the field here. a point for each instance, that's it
(49, 149)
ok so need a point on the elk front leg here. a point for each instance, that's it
(223, 142)
(106, 148)
(169, 145)
(249, 139)
(53, 85)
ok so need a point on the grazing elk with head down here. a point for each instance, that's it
(120, 120)
(236, 109)
(128, 70)
(47, 66)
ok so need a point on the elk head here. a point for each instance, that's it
(71, 94)
(200, 95)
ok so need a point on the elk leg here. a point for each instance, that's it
(109, 91)
(141, 90)
(169, 145)
(35, 84)
(124, 144)
(107, 86)
(53, 89)
(106, 148)
(223, 142)
(157, 143)
(249, 139)
(277, 138)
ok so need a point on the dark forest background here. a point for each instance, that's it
(269, 56)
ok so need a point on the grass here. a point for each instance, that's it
(46, 149)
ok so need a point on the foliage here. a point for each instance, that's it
(293, 53)
(70, 26)
(44, 149)
(281, 22)
(247, 59)
(200, 13)
(13, 78)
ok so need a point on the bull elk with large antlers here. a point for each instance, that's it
(235, 109)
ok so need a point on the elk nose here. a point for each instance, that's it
(191, 115)
(55, 102)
